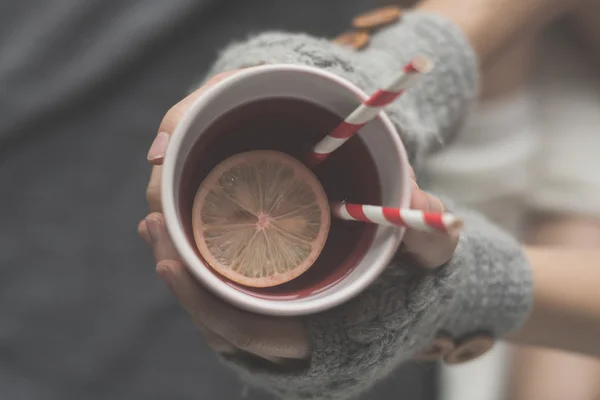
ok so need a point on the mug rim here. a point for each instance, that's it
(188, 255)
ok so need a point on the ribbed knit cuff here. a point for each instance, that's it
(495, 285)
(437, 105)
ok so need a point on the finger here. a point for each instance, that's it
(218, 344)
(159, 146)
(158, 149)
(422, 200)
(164, 251)
(214, 341)
(163, 247)
(153, 197)
(143, 231)
(430, 249)
(225, 326)
(263, 336)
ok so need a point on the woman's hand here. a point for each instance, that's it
(230, 330)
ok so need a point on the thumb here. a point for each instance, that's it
(430, 249)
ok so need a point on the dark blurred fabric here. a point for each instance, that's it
(83, 87)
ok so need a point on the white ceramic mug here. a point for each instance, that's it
(327, 91)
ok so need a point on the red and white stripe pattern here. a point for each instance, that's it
(415, 219)
(369, 109)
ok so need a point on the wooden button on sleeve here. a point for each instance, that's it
(377, 18)
(470, 348)
(356, 40)
(439, 348)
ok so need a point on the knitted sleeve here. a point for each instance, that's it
(487, 284)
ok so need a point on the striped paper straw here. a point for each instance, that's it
(415, 219)
(369, 109)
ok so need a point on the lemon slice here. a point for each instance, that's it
(260, 218)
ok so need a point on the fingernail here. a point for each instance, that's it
(154, 229)
(159, 146)
(415, 183)
(167, 277)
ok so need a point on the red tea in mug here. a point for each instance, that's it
(293, 126)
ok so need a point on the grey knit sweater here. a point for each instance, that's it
(485, 287)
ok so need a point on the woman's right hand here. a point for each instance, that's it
(226, 329)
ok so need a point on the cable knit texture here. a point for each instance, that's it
(485, 287)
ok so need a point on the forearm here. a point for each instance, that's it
(566, 309)
(494, 25)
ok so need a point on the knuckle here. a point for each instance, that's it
(198, 317)
(244, 341)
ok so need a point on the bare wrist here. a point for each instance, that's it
(492, 26)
